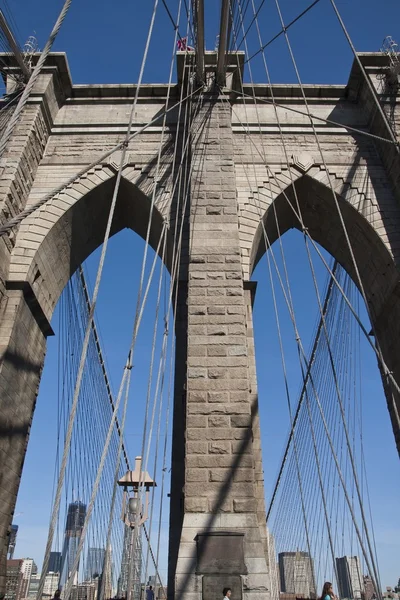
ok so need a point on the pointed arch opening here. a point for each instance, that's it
(376, 252)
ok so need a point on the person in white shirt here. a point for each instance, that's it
(227, 592)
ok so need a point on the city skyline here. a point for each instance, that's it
(348, 567)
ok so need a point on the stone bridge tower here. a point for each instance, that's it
(217, 524)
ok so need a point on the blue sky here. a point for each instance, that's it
(105, 45)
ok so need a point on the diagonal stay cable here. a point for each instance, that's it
(85, 345)
(101, 360)
(365, 76)
(112, 506)
(387, 372)
(124, 388)
(375, 348)
(281, 32)
(11, 223)
(328, 121)
(303, 391)
(33, 78)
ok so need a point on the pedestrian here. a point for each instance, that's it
(57, 595)
(327, 592)
(150, 593)
(227, 592)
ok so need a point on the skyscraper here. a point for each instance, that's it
(73, 531)
(12, 540)
(94, 565)
(54, 563)
(350, 579)
(296, 571)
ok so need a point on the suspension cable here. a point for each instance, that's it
(90, 319)
(33, 78)
(365, 76)
(11, 223)
(328, 121)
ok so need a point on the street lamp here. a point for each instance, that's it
(134, 514)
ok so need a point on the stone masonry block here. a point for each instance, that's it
(216, 373)
(218, 421)
(197, 350)
(196, 421)
(217, 351)
(194, 447)
(237, 351)
(241, 447)
(244, 474)
(196, 504)
(198, 397)
(196, 433)
(216, 330)
(219, 447)
(212, 461)
(241, 420)
(220, 433)
(220, 505)
(243, 505)
(216, 310)
(217, 475)
(195, 475)
(218, 396)
(196, 373)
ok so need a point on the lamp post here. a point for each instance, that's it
(134, 514)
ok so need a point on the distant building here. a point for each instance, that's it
(94, 563)
(84, 591)
(13, 579)
(33, 586)
(369, 589)
(350, 579)
(28, 568)
(50, 584)
(12, 541)
(54, 565)
(73, 531)
(296, 572)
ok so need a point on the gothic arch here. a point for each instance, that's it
(56, 239)
(50, 245)
(375, 251)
